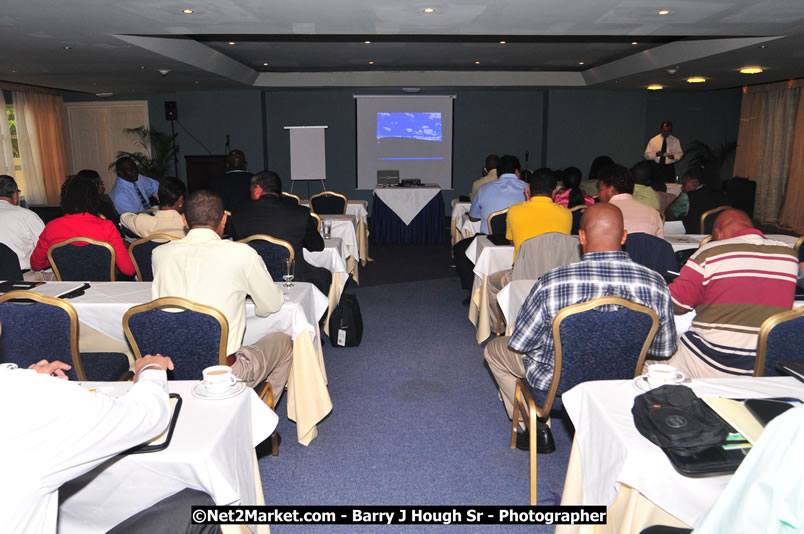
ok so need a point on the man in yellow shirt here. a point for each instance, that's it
(536, 216)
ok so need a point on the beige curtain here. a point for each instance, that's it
(792, 215)
(775, 148)
(6, 151)
(41, 139)
(745, 159)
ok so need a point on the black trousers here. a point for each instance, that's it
(464, 267)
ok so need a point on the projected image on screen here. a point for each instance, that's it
(418, 126)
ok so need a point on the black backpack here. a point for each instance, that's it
(675, 419)
(346, 323)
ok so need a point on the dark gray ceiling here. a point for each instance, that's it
(119, 46)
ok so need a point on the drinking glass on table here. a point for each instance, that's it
(288, 269)
(327, 229)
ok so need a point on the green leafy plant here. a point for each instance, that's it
(710, 160)
(163, 149)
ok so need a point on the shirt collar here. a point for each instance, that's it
(508, 176)
(541, 199)
(606, 255)
(749, 231)
(621, 196)
(200, 235)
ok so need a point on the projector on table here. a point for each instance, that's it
(411, 182)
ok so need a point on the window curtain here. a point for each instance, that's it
(770, 151)
(792, 215)
(40, 133)
(6, 152)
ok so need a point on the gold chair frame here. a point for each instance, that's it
(317, 217)
(523, 400)
(579, 207)
(270, 239)
(266, 393)
(291, 195)
(71, 313)
(82, 239)
(333, 193)
(798, 244)
(705, 240)
(152, 237)
(178, 302)
(706, 214)
(492, 215)
(764, 332)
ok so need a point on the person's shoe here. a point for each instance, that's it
(544, 439)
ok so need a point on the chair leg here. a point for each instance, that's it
(267, 395)
(533, 457)
(515, 414)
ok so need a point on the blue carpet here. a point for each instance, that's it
(416, 421)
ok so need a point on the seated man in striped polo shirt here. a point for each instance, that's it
(733, 283)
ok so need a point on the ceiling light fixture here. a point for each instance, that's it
(580, 63)
(371, 63)
(664, 12)
(477, 63)
(428, 10)
(634, 43)
(265, 64)
(655, 87)
(751, 70)
(696, 79)
(367, 42)
(188, 11)
(502, 42)
(231, 43)
(68, 47)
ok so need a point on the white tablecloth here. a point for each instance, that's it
(459, 210)
(104, 304)
(212, 450)
(674, 228)
(345, 227)
(613, 452)
(407, 202)
(688, 241)
(332, 259)
(488, 258)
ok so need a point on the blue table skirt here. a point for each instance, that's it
(426, 227)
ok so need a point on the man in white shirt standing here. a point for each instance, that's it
(220, 273)
(19, 227)
(55, 431)
(664, 150)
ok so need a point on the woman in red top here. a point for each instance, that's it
(80, 200)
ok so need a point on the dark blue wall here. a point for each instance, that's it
(579, 124)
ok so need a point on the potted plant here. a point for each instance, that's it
(159, 149)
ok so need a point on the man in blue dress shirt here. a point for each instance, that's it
(132, 190)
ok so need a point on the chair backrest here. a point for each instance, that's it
(140, 252)
(328, 203)
(274, 252)
(781, 337)
(544, 253)
(194, 337)
(37, 327)
(653, 252)
(9, 264)
(708, 219)
(798, 248)
(82, 258)
(498, 222)
(606, 338)
(577, 214)
(317, 220)
(292, 196)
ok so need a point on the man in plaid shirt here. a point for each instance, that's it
(605, 270)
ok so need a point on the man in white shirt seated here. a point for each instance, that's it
(617, 187)
(220, 273)
(19, 228)
(55, 431)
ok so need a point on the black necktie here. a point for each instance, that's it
(664, 149)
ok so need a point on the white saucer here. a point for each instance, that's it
(200, 391)
(641, 383)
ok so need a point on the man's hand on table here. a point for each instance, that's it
(152, 362)
(54, 368)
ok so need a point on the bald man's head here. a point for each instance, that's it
(729, 223)
(602, 228)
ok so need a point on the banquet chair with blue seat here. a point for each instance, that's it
(606, 338)
(781, 337)
(192, 335)
(708, 219)
(328, 203)
(37, 327)
(140, 252)
(291, 197)
(653, 252)
(317, 219)
(93, 261)
(9, 264)
(498, 222)
(274, 252)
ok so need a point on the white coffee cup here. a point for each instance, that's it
(218, 379)
(660, 374)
